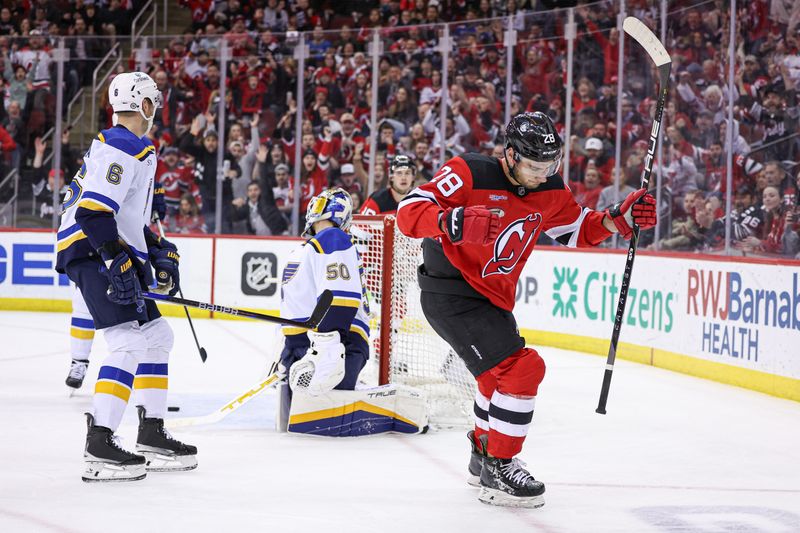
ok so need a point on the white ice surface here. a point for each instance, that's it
(674, 453)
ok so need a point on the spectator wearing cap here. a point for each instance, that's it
(349, 137)
(259, 211)
(177, 179)
(777, 116)
(596, 156)
(347, 179)
(204, 150)
(281, 188)
(325, 79)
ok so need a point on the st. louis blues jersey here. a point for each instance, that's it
(327, 261)
(109, 198)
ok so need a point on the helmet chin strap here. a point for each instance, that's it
(511, 170)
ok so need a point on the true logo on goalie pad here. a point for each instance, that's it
(259, 274)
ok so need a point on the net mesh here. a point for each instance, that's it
(416, 355)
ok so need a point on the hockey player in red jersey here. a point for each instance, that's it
(480, 217)
(401, 179)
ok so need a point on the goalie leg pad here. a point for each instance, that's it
(338, 413)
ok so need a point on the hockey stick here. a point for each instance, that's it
(323, 304)
(642, 34)
(203, 354)
(267, 383)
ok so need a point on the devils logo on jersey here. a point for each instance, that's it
(511, 244)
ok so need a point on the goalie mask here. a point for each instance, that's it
(127, 92)
(533, 136)
(334, 205)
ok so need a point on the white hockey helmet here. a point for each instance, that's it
(129, 89)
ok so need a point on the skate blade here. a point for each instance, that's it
(473, 480)
(164, 462)
(501, 499)
(99, 472)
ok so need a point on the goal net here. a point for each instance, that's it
(404, 348)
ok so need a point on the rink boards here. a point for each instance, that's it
(736, 322)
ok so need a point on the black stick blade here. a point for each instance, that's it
(323, 304)
(203, 355)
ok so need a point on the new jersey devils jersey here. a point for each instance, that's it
(381, 202)
(474, 179)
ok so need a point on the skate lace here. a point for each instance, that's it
(116, 442)
(77, 370)
(515, 470)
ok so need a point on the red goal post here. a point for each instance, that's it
(403, 344)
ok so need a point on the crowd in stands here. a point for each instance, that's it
(262, 81)
(28, 33)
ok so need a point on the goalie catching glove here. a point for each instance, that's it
(322, 367)
(638, 208)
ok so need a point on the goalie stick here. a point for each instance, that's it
(203, 354)
(323, 304)
(642, 34)
(265, 384)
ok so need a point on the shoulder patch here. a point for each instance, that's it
(330, 240)
(125, 141)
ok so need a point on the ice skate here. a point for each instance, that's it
(506, 482)
(77, 371)
(106, 460)
(477, 455)
(162, 451)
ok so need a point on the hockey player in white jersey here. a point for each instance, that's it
(81, 326)
(323, 365)
(107, 250)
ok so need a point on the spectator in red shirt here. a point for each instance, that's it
(313, 178)
(587, 193)
(187, 219)
(177, 180)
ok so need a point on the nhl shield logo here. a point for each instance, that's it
(259, 274)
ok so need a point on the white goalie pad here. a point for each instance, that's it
(322, 367)
(397, 408)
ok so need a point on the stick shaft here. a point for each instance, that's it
(664, 71)
(227, 310)
(202, 352)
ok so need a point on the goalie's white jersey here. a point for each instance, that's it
(326, 261)
(114, 187)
